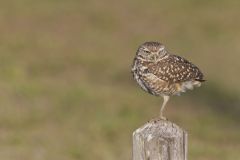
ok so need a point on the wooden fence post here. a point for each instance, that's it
(159, 140)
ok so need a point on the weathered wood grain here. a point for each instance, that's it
(159, 140)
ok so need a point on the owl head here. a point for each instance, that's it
(151, 51)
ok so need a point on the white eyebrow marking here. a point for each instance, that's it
(161, 48)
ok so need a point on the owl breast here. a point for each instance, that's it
(148, 81)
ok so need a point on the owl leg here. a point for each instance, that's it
(165, 100)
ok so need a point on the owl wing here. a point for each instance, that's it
(176, 69)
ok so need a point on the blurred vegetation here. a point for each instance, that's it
(66, 88)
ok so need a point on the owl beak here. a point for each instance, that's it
(155, 56)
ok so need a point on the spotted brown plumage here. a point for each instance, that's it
(163, 74)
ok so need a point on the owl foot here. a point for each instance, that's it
(163, 118)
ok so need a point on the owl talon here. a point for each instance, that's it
(163, 118)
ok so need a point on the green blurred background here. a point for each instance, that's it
(66, 88)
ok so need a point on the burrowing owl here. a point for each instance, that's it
(163, 74)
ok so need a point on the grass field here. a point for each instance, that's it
(66, 88)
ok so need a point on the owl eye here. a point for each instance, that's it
(146, 51)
